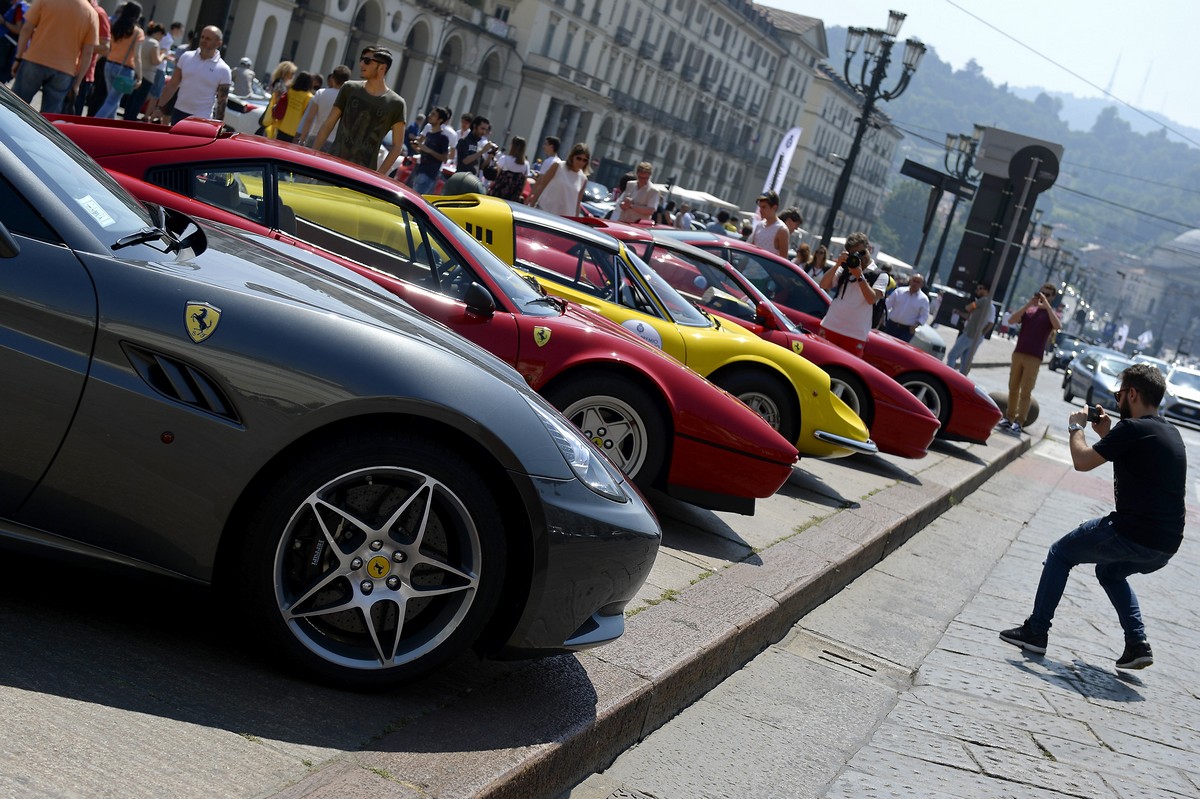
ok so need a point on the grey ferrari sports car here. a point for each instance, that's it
(374, 493)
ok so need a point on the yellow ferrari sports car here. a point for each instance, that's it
(595, 270)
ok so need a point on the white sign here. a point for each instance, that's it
(782, 161)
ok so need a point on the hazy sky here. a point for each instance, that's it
(1084, 37)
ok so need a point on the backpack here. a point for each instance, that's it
(879, 314)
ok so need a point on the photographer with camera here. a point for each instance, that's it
(1038, 322)
(1145, 530)
(847, 323)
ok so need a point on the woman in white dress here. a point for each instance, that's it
(560, 188)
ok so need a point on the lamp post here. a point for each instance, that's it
(959, 158)
(1032, 242)
(877, 55)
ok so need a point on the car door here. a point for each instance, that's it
(47, 327)
(379, 232)
(597, 278)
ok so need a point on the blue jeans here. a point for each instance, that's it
(422, 183)
(53, 85)
(1116, 557)
(113, 101)
(964, 350)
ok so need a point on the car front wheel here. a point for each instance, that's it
(374, 559)
(850, 390)
(766, 397)
(931, 393)
(620, 418)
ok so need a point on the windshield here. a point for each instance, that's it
(1112, 366)
(523, 295)
(1181, 379)
(108, 210)
(682, 312)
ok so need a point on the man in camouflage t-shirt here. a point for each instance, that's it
(366, 110)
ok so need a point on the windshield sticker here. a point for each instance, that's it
(96, 211)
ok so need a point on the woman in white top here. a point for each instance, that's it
(561, 188)
(512, 172)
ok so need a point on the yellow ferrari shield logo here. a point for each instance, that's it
(797, 347)
(201, 320)
(378, 566)
(541, 335)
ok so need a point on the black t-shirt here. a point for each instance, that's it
(1149, 480)
(469, 145)
(439, 142)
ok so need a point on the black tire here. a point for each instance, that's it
(1067, 393)
(393, 523)
(931, 393)
(620, 418)
(767, 396)
(851, 390)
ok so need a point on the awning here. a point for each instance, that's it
(696, 199)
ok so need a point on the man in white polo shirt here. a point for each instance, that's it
(201, 79)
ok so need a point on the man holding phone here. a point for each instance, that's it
(1145, 530)
(1038, 322)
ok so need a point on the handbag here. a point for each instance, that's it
(125, 84)
(279, 110)
(508, 185)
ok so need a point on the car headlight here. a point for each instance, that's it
(593, 469)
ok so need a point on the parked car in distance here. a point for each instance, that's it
(374, 494)
(579, 263)
(1181, 402)
(1066, 347)
(964, 410)
(663, 424)
(899, 423)
(1094, 375)
(927, 339)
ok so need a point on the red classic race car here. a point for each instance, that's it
(900, 424)
(662, 423)
(966, 412)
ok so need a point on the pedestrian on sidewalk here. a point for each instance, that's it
(1038, 322)
(907, 310)
(981, 315)
(1145, 530)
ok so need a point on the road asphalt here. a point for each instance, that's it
(131, 690)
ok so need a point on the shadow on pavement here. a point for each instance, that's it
(153, 646)
(880, 467)
(1088, 679)
(806, 486)
(956, 450)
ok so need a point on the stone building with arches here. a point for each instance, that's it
(704, 89)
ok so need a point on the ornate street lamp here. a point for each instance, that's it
(877, 55)
(959, 159)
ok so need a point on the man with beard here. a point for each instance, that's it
(1141, 535)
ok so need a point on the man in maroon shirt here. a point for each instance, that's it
(1038, 322)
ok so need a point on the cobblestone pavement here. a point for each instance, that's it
(900, 687)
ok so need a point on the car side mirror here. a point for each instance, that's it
(479, 300)
(763, 316)
(8, 245)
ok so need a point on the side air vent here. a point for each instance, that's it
(170, 178)
(181, 382)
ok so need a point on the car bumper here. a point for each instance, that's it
(901, 432)
(741, 479)
(972, 419)
(590, 559)
(1181, 410)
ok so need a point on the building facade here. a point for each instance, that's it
(704, 90)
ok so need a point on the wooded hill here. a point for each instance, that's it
(1118, 189)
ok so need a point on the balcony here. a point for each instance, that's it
(647, 50)
(724, 93)
(623, 36)
(688, 74)
(669, 60)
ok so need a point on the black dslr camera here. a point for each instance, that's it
(853, 261)
(1093, 413)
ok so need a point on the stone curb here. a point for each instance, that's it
(682, 649)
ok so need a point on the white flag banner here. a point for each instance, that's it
(782, 161)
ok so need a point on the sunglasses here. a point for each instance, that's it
(368, 59)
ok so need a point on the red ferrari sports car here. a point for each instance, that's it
(662, 423)
(965, 411)
(900, 424)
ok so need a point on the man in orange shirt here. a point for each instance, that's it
(58, 57)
